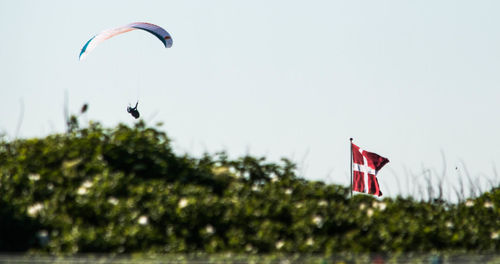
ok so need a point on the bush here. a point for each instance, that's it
(124, 190)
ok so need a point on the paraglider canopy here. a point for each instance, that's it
(157, 31)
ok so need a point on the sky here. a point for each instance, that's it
(414, 81)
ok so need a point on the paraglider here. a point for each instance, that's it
(133, 111)
(157, 31)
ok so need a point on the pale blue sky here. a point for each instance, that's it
(407, 79)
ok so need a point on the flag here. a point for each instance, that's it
(366, 163)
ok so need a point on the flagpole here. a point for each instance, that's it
(351, 165)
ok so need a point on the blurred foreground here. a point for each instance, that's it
(261, 259)
(124, 191)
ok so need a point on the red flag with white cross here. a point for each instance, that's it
(365, 166)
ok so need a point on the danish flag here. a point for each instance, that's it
(366, 163)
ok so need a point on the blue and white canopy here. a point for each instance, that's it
(158, 31)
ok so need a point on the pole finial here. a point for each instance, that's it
(350, 139)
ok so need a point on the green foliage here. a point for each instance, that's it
(124, 190)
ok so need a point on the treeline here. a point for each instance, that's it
(124, 190)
